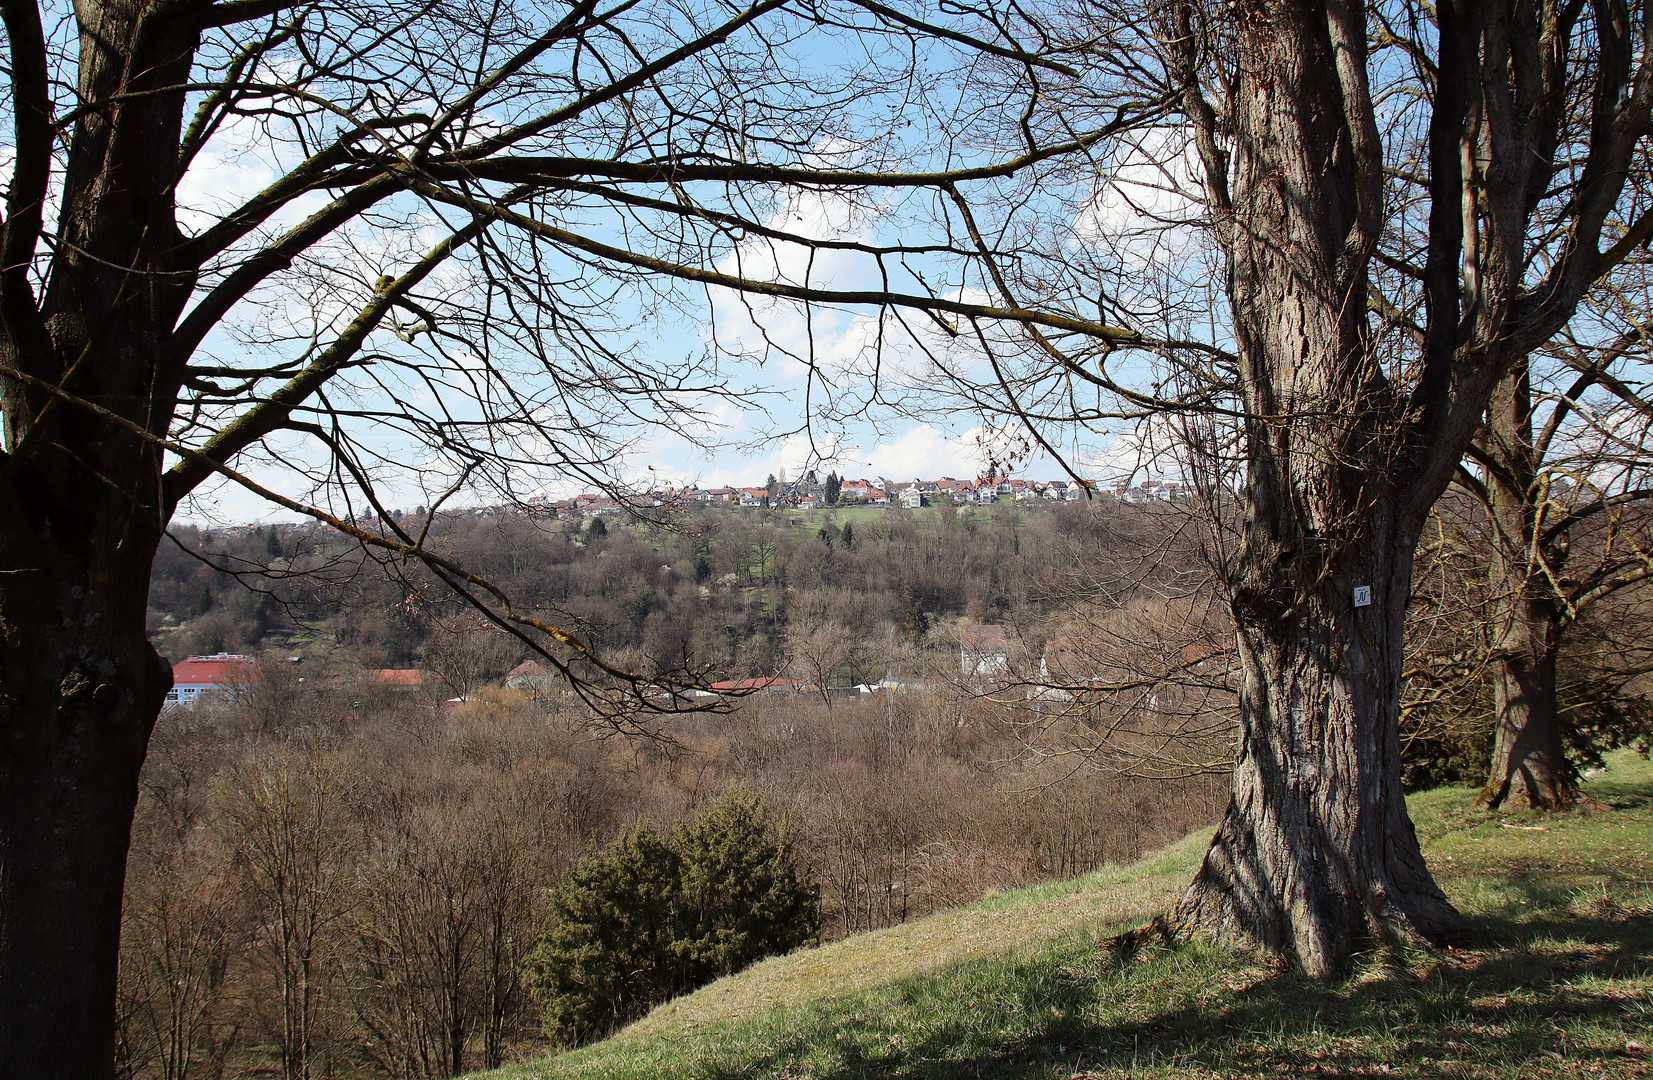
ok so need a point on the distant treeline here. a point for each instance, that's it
(721, 590)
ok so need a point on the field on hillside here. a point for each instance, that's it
(861, 515)
(1554, 978)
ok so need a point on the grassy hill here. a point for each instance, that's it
(1555, 979)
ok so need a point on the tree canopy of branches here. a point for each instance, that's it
(319, 251)
(1585, 695)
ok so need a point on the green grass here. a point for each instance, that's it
(1555, 978)
(839, 514)
(811, 520)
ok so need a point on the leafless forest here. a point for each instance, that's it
(333, 877)
(337, 877)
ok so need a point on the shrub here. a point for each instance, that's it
(653, 916)
(740, 897)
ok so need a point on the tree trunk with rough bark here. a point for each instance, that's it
(1529, 763)
(83, 512)
(81, 690)
(1316, 850)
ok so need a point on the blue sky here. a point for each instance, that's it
(850, 390)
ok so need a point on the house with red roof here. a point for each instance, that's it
(210, 680)
(530, 677)
(772, 685)
(986, 651)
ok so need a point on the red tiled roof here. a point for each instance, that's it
(753, 684)
(985, 636)
(221, 669)
(395, 676)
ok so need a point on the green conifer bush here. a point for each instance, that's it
(655, 915)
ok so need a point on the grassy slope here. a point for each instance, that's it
(1555, 979)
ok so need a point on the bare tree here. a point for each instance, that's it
(451, 898)
(820, 650)
(1394, 231)
(285, 825)
(180, 939)
(1565, 480)
(469, 655)
(1468, 693)
(1349, 439)
(464, 227)
(1137, 674)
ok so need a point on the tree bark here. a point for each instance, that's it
(83, 512)
(1316, 850)
(1529, 763)
(81, 690)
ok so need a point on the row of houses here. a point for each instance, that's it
(853, 492)
(219, 678)
(800, 496)
(810, 496)
(916, 493)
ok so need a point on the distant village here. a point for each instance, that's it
(811, 494)
(986, 652)
(808, 494)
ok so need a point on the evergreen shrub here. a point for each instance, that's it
(656, 915)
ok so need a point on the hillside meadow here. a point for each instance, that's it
(1554, 978)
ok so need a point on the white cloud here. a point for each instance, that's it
(1152, 449)
(926, 452)
(760, 326)
(1153, 186)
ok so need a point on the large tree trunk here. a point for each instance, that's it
(1528, 761)
(1529, 764)
(81, 689)
(1316, 850)
(82, 511)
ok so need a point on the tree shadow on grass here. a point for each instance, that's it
(1526, 997)
(1620, 791)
